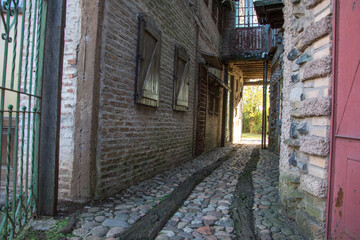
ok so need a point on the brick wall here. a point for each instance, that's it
(229, 25)
(210, 42)
(68, 96)
(306, 113)
(209, 35)
(135, 141)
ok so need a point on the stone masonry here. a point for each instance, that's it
(276, 81)
(306, 113)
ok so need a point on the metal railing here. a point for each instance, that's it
(21, 52)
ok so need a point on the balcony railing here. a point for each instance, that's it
(250, 43)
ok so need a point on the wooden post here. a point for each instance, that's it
(231, 123)
(50, 108)
(224, 112)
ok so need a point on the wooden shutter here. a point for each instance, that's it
(181, 79)
(148, 62)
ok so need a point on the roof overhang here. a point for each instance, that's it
(218, 81)
(213, 60)
(270, 12)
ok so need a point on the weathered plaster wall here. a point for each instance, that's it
(68, 96)
(306, 112)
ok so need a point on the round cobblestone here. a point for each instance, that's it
(205, 213)
(269, 224)
(125, 208)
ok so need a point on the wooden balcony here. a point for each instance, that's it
(250, 43)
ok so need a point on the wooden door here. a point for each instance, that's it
(344, 213)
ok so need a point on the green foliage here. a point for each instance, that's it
(252, 109)
(53, 234)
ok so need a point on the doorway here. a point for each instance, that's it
(344, 195)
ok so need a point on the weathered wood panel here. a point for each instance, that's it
(249, 39)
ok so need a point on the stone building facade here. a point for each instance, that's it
(305, 133)
(275, 95)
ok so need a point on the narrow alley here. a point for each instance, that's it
(179, 119)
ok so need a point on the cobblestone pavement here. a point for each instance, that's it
(109, 218)
(206, 212)
(269, 224)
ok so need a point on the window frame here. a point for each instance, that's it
(181, 55)
(214, 92)
(144, 96)
(249, 15)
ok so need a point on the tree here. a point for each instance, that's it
(252, 109)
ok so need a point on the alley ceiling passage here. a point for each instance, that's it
(251, 69)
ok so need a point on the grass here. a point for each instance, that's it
(160, 200)
(251, 135)
(52, 234)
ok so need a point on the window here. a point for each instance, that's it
(148, 62)
(181, 79)
(245, 14)
(214, 97)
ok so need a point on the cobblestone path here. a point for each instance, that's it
(206, 212)
(269, 223)
(109, 218)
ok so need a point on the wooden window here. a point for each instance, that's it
(211, 104)
(214, 12)
(181, 79)
(214, 98)
(217, 105)
(148, 62)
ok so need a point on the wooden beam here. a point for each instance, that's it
(50, 108)
(256, 83)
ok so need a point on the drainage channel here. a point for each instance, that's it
(241, 211)
(150, 225)
(205, 214)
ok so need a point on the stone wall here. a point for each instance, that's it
(306, 112)
(136, 141)
(68, 96)
(275, 96)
